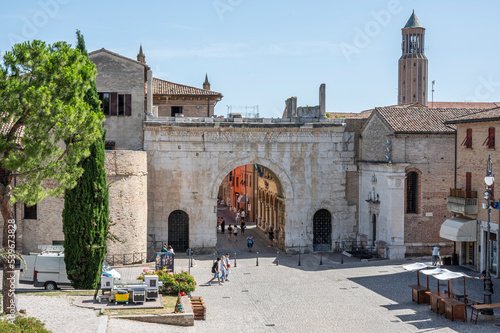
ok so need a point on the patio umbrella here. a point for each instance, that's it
(434, 272)
(418, 266)
(449, 276)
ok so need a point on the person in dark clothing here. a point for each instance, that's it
(242, 225)
(222, 225)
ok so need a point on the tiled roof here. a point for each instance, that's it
(464, 105)
(91, 54)
(421, 119)
(5, 129)
(362, 114)
(413, 22)
(485, 115)
(163, 87)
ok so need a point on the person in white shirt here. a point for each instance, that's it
(235, 231)
(228, 266)
(435, 256)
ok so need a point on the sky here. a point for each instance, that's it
(259, 53)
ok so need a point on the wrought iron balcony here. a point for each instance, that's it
(462, 202)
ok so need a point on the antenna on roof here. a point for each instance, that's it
(432, 102)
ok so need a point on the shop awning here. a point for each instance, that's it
(459, 230)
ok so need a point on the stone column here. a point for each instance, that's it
(322, 101)
(149, 96)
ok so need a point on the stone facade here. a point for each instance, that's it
(127, 179)
(127, 175)
(187, 163)
(124, 76)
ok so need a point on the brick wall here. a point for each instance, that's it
(191, 106)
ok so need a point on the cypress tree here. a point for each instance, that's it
(86, 211)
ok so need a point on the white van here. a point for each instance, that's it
(48, 269)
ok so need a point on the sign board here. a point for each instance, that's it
(495, 205)
(164, 260)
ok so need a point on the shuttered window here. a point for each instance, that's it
(468, 181)
(114, 104)
(468, 139)
(490, 140)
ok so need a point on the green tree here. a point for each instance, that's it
(86, 213)
(47, 128)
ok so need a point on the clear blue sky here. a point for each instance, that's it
(260, 52)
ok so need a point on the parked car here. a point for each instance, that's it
(48, 270)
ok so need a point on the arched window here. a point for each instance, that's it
(412, 192)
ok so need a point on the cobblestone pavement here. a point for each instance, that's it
(333, 297)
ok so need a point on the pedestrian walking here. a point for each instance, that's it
(218, 223)
(164, 249)
(237, 219)
(435, 256)
(271, 237)
(170, 249)
(229, 232)
(250, 242)
(243, 214)
(235, 231)
(215, 272)
(242, 225)
(222, 225)
(223, 269)
(228, 265)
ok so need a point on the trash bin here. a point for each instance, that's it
(446, 261)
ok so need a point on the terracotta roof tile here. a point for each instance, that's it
(485, 115)
(464, 105)
(421, 119)
(163, 87)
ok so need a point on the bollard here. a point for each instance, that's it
(342, 258)
(278, 258)
(299, 258)
(321, 258)
(257, 263)
(234, 259)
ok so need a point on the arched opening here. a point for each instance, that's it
(412, 192)
(257, 194)
(322, 230)
(374, 229)
(178, 230)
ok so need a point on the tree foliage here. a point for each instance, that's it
(47, 128)
(86, 213)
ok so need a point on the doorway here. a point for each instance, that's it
(322, 230)
(178, 230)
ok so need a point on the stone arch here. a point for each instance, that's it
(415, 175)
(178, 230)
(322, 230)
(283, 178)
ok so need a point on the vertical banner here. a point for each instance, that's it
(164, 260)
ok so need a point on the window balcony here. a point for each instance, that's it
(462, 202)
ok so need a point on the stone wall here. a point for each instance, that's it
(187, 163)
(127, 176)
(191, 106)
(373, 140)
(124, 76)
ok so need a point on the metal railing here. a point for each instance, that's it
(462, 194)
(126, 259)
(359, 249)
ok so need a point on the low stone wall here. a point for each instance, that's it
(181, 319)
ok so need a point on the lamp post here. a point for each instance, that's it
(488, 180)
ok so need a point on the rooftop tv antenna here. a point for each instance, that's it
(433, 82)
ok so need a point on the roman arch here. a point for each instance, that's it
(189, 157)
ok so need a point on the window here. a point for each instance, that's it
(468, 181)
(412, 193)
(490, 140)
(114, 104)
(109, 145)
(175, 109)
(468, 139)
(30, 212)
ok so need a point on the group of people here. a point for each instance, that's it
(221, 269)
(232, 229)
(168, 249)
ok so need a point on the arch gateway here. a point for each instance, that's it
(188, 158)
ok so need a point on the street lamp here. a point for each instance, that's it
(488, 291)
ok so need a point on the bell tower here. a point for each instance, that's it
(412, 74)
